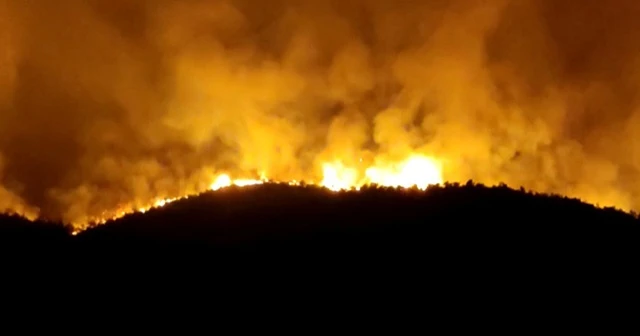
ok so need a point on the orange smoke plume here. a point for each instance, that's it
(110, 106)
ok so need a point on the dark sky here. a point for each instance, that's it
(111, 101)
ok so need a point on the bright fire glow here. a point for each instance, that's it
(337, 177)
(225, 181)
(417, 171)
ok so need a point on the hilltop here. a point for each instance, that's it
(282, 218)
(450, 244)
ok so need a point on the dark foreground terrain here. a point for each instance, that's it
(450, 244)
(296, 222)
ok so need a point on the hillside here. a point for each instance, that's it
(281, 218)
(446, 246)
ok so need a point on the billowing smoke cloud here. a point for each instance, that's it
(104, 102)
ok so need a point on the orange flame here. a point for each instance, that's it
(417, 171)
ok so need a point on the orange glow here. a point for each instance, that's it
(418, 171)
(337, 177)
(203, 95)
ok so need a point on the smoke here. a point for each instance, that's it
(106, 102)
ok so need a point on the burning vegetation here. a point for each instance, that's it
(415, 172)
(114, 106)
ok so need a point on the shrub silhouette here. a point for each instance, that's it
(282, 217)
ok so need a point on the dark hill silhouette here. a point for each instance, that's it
(453, 221)
(458, 243)
(278, 217)
(309, 220)
(16, 231)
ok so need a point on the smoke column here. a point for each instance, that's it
(111, 101)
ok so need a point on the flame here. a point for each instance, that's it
(417, 171)
(225, 181)
(337, 177)
(119, 119)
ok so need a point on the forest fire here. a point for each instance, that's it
(109, 107)
(417, 171)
